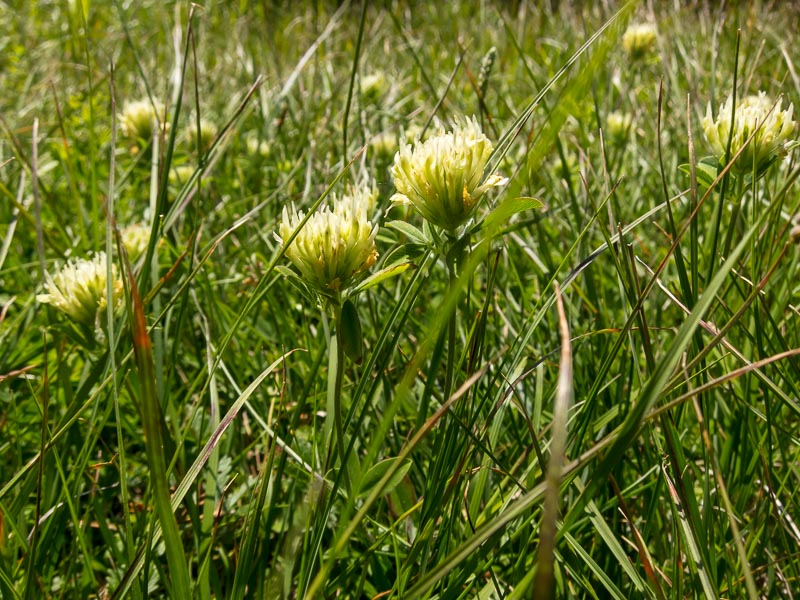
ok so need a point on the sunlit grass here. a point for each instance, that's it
(251, 422)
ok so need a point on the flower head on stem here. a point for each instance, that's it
(769, 125)
(337, 244)
(443, 177)
(79, 289)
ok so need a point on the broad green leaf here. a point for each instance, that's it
(408, 230)
(374, 475)
(350, 330)
(382, 275)
(507, 209)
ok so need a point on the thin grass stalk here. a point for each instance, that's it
(31, 579)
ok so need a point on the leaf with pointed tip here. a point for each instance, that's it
(408, 230)
(350, 330)
(382, 275)
(378, 470)
(507, 209)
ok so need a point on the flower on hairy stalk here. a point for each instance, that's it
(79, 289)
(336, 245)
(443, 177)
(140, 120)
(639, 40)
(758, 116)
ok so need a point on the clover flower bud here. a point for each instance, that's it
(443, 177)
(374, 85)
(384, 145)
(773, 128)
(257, 147)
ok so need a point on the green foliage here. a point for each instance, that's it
(227, 436)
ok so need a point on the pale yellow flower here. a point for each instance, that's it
(384, 144)
(773, 128)
(336, 244)
(140, 119)
(257, 147)
(639, 40)
(79, 289)
(374, 85)
(618, 126)
(135, 238)
(180, 174)
(443, 177)
(208, 131)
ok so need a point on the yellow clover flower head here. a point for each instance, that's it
(139, 120)
(618, 125)
(255, 146)
(772, 125)
(383, 145)
(79, 289)
(208, 131)
(336, 244)
(639, 40)
(374, 85)
(135, 238)
(443, 177)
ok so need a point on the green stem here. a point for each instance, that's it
(452, 258)
(737, 207)
(335, 378)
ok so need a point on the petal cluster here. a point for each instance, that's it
(443, 176)
(79, 289)
(336, 244)
(135, 238)
(639, 40)
(772, 125)
(139, 119)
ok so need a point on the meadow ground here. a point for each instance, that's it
(406, 300)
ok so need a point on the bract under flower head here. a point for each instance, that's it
(772, 126)
(335, 245)
(79, 289)
(639, 40)
(443, 177)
